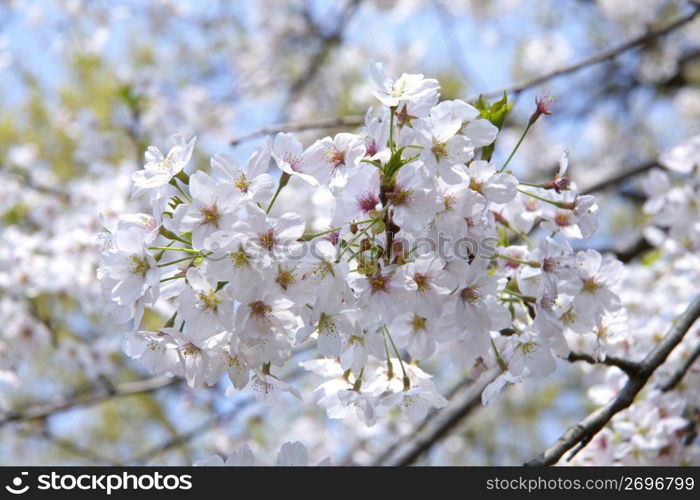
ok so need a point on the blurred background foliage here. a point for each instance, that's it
(85, 86)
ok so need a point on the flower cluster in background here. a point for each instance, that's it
(87, 86)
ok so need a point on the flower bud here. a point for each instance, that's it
(544, 105)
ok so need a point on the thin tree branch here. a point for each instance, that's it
(326, 123)
(682, 370)
(602, 56)
(454, 46)
(185, 437)
(319, 57)
(428, 434)
(619, 177)
(90, 399)
(92, 457)
(389, 451)
(594, 422)
(204, 427)
(629, 367)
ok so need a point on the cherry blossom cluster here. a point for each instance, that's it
(432, 251)
(673, 206)
(47, 270)
(660, 427)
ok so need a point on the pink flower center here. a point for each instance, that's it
(367, 202)
(336, 158)
(293, 160)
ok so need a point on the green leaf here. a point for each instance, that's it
(651, 256)
(496, 113)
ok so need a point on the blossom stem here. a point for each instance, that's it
(284, 179)
(159, 255)
(501, 362)
(516, 260)
(389, 366)
(565, 206)
(177, 261)
(171, 321)
(183, 177)
(406, 380)
(520, 141)
(519, 233)
(174, 183)
(392, 111)
(358, 381)
(311, 236)
(176, 249)
(526, 298)
(358, 235)
(172, 278)
(172, 236)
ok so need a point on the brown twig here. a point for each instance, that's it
(616, 179)
(587, 428)
(678, 375)
(442, 423)
(389, 451)
(120, 390)
(602, 56)
(185, 437)
(328, 41)
(327, 123)
(629, 367)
